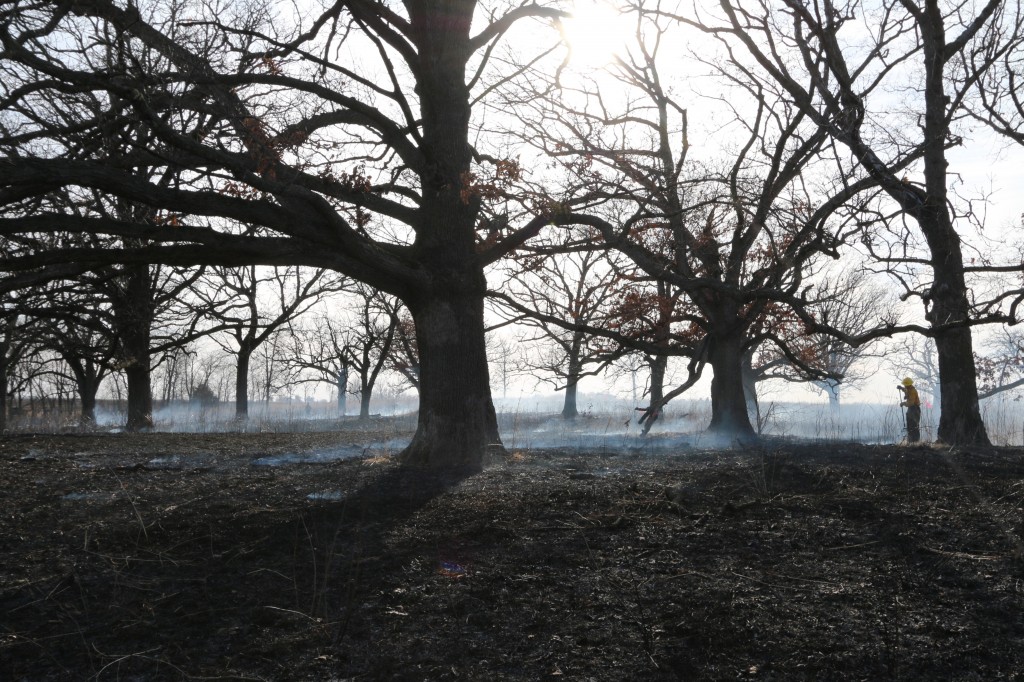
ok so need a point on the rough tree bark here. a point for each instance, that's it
(729, 417)
(222, 120)
(457, 420)
(570, 410)
(242, 383)
(133, 313)
(960, 415)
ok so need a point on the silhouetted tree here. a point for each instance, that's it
(1001, 367)
(18, 340)
(362, 343)
(576, 288)
(848, 302)
(368, 343)
(76, 326)
(843, 84)
(733, 237)
(362, 165)
(246, 306)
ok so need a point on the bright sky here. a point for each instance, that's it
(595, 33)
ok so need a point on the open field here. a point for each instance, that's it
(312, 556)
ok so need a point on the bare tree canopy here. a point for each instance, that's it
(389, 142)
(736, 239)
(817, 54)
(338, 140)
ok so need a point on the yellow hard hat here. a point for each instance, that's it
(908, 382)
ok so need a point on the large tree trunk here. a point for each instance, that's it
(960, 417)
(88, 386)
(140, 398)
(728, 403)
(87, 395)
(960, 421)
(659, 366)
(3, 386)
(342, 381)
(569, 408)
(457, 421)
(365, 395)
(831, 387)
(446, 297)
(134, 313)
(572, 378)
(87, 382)
(242, 385)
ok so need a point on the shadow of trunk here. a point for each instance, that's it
(344, 550)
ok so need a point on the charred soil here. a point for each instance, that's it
(167, 557)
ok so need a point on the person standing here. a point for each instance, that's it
(912, 402)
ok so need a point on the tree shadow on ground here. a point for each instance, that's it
(808, 562)
(215, 589)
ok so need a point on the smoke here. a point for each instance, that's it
(385, 448)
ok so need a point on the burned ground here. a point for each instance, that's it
(160, 556)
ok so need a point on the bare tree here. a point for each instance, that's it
(998, 59)
(94, 325)
(657, 321)
(142, 305)
(83, 123)
(368, 343)
(318, 350)
(1001, 367)
(404, 357)
(246, 306)
(362, 344)
(77, 327)
(270, 372)
(814, 53)
(18, 340)
(735, 237)
(506, 358)
(361, 165)
(848, 302)
(191, 373)
(206, 375)
(576, 288)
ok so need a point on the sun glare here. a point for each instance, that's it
(594, 33)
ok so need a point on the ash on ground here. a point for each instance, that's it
(175, 556)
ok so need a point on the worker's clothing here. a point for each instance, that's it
(912, 402)
(913, 423)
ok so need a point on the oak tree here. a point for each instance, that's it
(734, 235)
(344, 134)
(840, 77)
(245, 306)
(577, 288)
